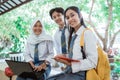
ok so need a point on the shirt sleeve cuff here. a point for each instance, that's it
(75, 67)
(27, 60)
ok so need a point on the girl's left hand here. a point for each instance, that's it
(40, 67)
(62, 61)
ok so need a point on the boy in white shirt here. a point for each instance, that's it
(62, 33)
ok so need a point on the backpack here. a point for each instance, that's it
(102, 70)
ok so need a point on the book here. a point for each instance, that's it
(68, 59)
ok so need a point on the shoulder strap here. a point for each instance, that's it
(82, 42)
(82, 37)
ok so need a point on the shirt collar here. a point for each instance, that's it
(80, 30)
(62, 28)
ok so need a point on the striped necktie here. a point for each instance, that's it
(63, 42)
(36, 56)
(68, 68)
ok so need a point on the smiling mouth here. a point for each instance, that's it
(71, 23)
(58, 21)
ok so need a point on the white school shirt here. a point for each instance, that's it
(57, 40)
(45, 51)
(90, 49)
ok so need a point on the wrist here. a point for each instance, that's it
(31, 63)
(47, 62)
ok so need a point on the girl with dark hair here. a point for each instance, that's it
(77, 70)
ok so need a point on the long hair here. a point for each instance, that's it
(76, 9)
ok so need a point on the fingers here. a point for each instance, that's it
(43, 66)
(35, 68)
(31, 63)
(40, 67)
(65, 62)
(60, 55)
(56, 58)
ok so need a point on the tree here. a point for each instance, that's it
(109, 11)
(101, 14)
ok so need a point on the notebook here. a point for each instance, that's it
(68, 59)
(23, 69)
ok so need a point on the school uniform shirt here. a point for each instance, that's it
(90, 49)
(45, 51)
(45, 47)
(57, 40)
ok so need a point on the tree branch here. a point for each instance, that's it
(113, 38)
(110, 6)
(108, 21)
(93, 26)
(90, 21)
(91, 10)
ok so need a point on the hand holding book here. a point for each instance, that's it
(65, 58)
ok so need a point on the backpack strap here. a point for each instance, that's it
(82, 42)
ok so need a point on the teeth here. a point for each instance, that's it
(71, 23)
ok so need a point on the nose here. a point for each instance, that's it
(56, 18)
(69, 20)
(39, 27)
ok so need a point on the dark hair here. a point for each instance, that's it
(57, 9)
(76, 9)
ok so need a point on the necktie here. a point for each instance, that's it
(63, 41)
(36, 56)
(68, 69)
(71, 46)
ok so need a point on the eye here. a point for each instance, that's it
(54, 17)
(72, 15)
(58, 15)
(67, 17)
(40, 25)
(35, 25)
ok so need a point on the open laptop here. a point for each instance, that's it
(19, 67)
(23, 69)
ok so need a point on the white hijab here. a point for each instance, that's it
(34, 39)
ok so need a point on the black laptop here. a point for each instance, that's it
(23, 69)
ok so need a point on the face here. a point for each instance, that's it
(37, 29)
(58, 18)
(72, 18)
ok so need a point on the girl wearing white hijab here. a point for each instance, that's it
(44, 51)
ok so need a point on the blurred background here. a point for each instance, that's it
(102, 16)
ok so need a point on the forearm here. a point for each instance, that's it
(31, 63)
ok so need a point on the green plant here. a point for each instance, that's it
(16, 44)
(3, 55)
(19, 40)
(116, 65)
(1, 48)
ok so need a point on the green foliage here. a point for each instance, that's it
(18, 41)
(50, 28)
(3, 55)
(117, 64)
(14, 25)
(1, 48)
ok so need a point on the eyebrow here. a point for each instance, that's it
(70, 14)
